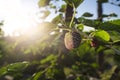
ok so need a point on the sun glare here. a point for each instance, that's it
(17, 20)
(17, 25)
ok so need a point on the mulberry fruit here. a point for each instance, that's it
(72, 40)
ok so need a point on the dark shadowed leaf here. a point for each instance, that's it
(89, 22)
(113, 25)
(115, 36)
(103, 1)
(113, 15)
(117, 42)
(105, 15)
(87, 14)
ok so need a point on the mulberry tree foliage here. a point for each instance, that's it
(60, 49)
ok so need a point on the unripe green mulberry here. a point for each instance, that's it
(72, 40)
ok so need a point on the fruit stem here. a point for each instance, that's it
(72, 16)
(67, 29)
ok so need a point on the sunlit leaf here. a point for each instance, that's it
(1, 23)
(102, 35)
(48, 59)
(43, 3)
(80, 27)
(63, 8)
(38, 75)
(68, 70)
(46, 27)
(3, 71)
(45, 14)
(27, 51)
(17, 66)
(52, 6)
(57, 19)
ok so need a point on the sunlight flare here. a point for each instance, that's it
(17, 18)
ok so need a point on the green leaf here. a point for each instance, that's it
(105, 15)
(57, 19)
(110, 15)
(108, 73)
(113, 25)
(102, 35)
(77, 2)
(48, 59)
(46, 14)
(52, 6)
(80, 27)
(3, 71)
(15, 67)
(43, 3)
(63, 8)
(89, 22)
(116, 51)
(115, 36)
(113, 15)
(38, 75)
(103, 1)
(87, 14)
(117, 42)
(116, 22)
(19, 66)
(1, 23)
(46, 27)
